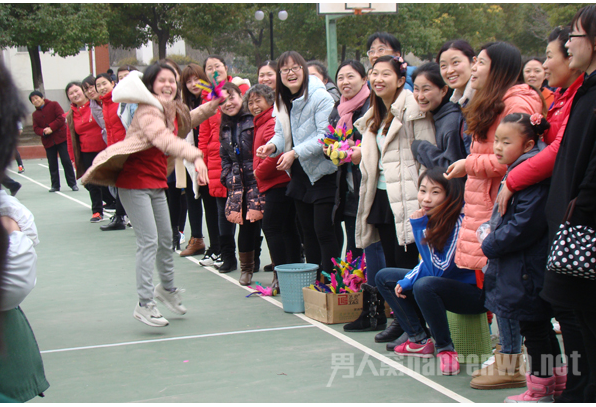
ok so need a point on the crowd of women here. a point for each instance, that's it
(461, 173)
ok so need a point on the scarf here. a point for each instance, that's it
(346, 107)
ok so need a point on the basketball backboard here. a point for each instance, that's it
(356, 8)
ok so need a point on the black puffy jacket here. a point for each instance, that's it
(516, 250)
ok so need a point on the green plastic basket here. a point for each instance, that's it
(292, 278)
(470, 336)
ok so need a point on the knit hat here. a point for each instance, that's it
(35, 93)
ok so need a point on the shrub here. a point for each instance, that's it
(181, 60)
(128, 61)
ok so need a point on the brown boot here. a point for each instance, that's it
(195, 246)
(275, 283)
(505, 373)
(247, 265)
(486, 369)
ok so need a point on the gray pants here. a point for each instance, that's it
(149, 215)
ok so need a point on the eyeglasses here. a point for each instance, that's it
(213, 67)
(285, 71)
(570, 36)
(378, 51)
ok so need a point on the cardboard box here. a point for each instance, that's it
(332, 308)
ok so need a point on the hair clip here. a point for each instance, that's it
(403, 65)
(536, 119)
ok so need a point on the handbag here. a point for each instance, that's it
(573, 252)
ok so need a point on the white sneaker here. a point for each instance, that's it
(150, 315)
(171, 300)
(218, 262)
(182, 238)
(210, 258)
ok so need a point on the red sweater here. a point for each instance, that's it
(540, 166)
(87, 129)
(50, 115)
(266, 172)
(209, 145)
(147, 169)
(114, 127)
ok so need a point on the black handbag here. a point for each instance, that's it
(573, 252)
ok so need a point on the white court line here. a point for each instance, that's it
(344, 338)
(413, 374)
(48, 188)
(45, 166)
(178, 338)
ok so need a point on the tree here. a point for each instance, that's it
(62, 29)
(134, 24)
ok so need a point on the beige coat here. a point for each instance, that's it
(150, 127)
(400, 167)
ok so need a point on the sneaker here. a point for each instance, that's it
(210, 258)
(150, 315)
(21, 169)
(182, 238)
(170, 299)
(74, 188)
(218, 262)
(419, 350)
(449, 362)
(97, 217)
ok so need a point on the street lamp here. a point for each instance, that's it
(282, 15)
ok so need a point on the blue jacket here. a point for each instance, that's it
(309, 119)
(435, 263)
(450, 145)
(517, 250)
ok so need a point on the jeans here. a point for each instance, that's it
(435, 296)
(375, 261)
(509, 335)
(148, 212)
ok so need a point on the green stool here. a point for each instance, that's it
(470, 336)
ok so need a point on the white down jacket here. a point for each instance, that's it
(400, 167)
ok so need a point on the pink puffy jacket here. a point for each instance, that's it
(484, 177)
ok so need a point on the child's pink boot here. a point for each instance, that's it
(540, 390)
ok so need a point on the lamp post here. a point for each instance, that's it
(282, 15)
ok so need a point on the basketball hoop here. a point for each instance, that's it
(359, 11)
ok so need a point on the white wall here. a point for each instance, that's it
(57, 73)
(145, 52)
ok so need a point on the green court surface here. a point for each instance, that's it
(227, 348)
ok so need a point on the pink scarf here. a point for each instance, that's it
(346, 107)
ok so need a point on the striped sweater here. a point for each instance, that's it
(433, 262)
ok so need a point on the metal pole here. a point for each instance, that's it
(271, 32)
(331, 29)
